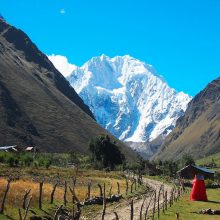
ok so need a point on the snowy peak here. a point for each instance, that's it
(128, 97)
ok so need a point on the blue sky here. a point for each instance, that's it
(180, 38)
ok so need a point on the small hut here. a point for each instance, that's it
(190, 171)
(32, 149)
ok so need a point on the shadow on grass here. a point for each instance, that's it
(45, 212)
(9, 217)
(213, 202)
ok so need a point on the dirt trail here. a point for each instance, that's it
(123, 209)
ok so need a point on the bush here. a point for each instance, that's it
(10, 160)
(44, 162)
(2, 157)
(44, 159)
(26, 159)
(212, 184)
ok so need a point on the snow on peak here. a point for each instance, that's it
(128, 97)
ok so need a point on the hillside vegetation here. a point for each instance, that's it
(214, 158)
(38, 107)
(198, 131)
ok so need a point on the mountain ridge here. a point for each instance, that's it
(129, 88)
(37, 105)
(198, 131)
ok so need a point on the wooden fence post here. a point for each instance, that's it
(19, 213)
(139, 177)
(27, 208)
(75, 175)
(52, 193)
(163, 199)
(72, 190)
(179, 192)
(104, 203)
(57, 212)
(174, 194)
(118, 185)
(133, 174)
(89, 190)
(158, 202)
(132, 186)
(166, 200)
(100, 190)
(142, 205)
(5, 195)
(132, 209)
(116, 216)
(40, 194)
(27, 192)
(78, 212)
(151, 197)
(64, 195)
(171, 196)
(110, 190)
(126, 191)
(74, 197)
(154, 207)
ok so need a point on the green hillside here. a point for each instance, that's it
(210, 159)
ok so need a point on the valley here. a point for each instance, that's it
(107, 137)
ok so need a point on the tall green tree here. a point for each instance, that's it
(105, 152)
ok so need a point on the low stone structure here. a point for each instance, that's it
(98, 200)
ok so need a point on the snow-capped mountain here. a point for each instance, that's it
(128, 98)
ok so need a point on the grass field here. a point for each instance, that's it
(209, 159)
(187, 208)
(206, 161)
(29, 179)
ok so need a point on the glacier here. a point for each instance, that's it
(128, 97)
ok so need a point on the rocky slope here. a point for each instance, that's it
(128, 98)
(37, 105)
(198, 131)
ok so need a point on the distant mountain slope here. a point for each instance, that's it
(37, 105)
(128, 98)
(148, 149)
(198, 131)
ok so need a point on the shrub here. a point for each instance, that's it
(2, 157)
(10, 160)
(26, 159)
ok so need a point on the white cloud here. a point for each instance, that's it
(62, 64)
(62, 11)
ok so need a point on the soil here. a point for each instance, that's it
(123, 209)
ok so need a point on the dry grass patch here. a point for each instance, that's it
(30, 180)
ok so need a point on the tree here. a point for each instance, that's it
(106, 153)
(187, 160)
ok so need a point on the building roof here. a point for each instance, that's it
(29, 148)
(7, 147)
(203, 169)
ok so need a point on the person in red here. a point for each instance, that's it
(198, 192)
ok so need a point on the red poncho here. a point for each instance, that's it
(198, 192)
